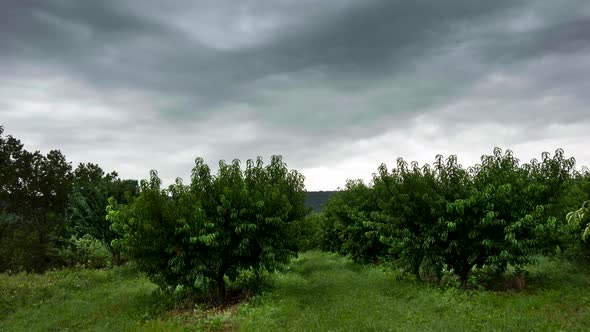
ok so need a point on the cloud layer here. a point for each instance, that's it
(336, 87)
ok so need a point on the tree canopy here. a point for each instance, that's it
(216, 226)
(493, 214)
(34, 191)
(88, 201)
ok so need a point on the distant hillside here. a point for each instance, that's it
(317, 199)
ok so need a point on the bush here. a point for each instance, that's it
(580, 224)
(86, 252)
(578, 220)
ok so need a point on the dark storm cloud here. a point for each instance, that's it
(319, 81)
(116, 45)
(566, 37)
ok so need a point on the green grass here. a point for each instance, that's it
(119, 299)
(73, 300)
(318, 292)
(323, 292)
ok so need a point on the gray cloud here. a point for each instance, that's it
(148, 84)
(121, 46)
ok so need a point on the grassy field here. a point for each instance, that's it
(327, 293)
(318, 292)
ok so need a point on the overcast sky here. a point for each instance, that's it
(336, 87)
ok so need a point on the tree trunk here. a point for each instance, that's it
(416, 269)
(464, 277)
(117, 258)
(416, 262)
(220, 280)
(439, 272)
(114, 253)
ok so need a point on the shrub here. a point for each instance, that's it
(85, 252)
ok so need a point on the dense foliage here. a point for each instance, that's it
(307, 230)
(47, 210)
(579, 217)
(430, 219)
(494, 214)
(34, 191)
(88, 201)
(349, 223)
(215, 227)
(409, 201)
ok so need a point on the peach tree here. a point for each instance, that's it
(350, 224)
(408, 198)
(494, 214)
(216, 226)
(576, 218)
(502, 218)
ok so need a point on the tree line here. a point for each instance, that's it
(251, 217)
(198, 235)
(52, 214)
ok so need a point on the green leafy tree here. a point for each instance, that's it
(308, 231)
(493, 214)
(34, 191)
(501, 220)
(562, 186)
(350, 226)
(88, 202)
(216, 226)
(578, 217)
(409, 200)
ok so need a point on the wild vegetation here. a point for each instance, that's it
(221, 252)
(52, 215)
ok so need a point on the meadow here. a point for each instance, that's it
(315, 292)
